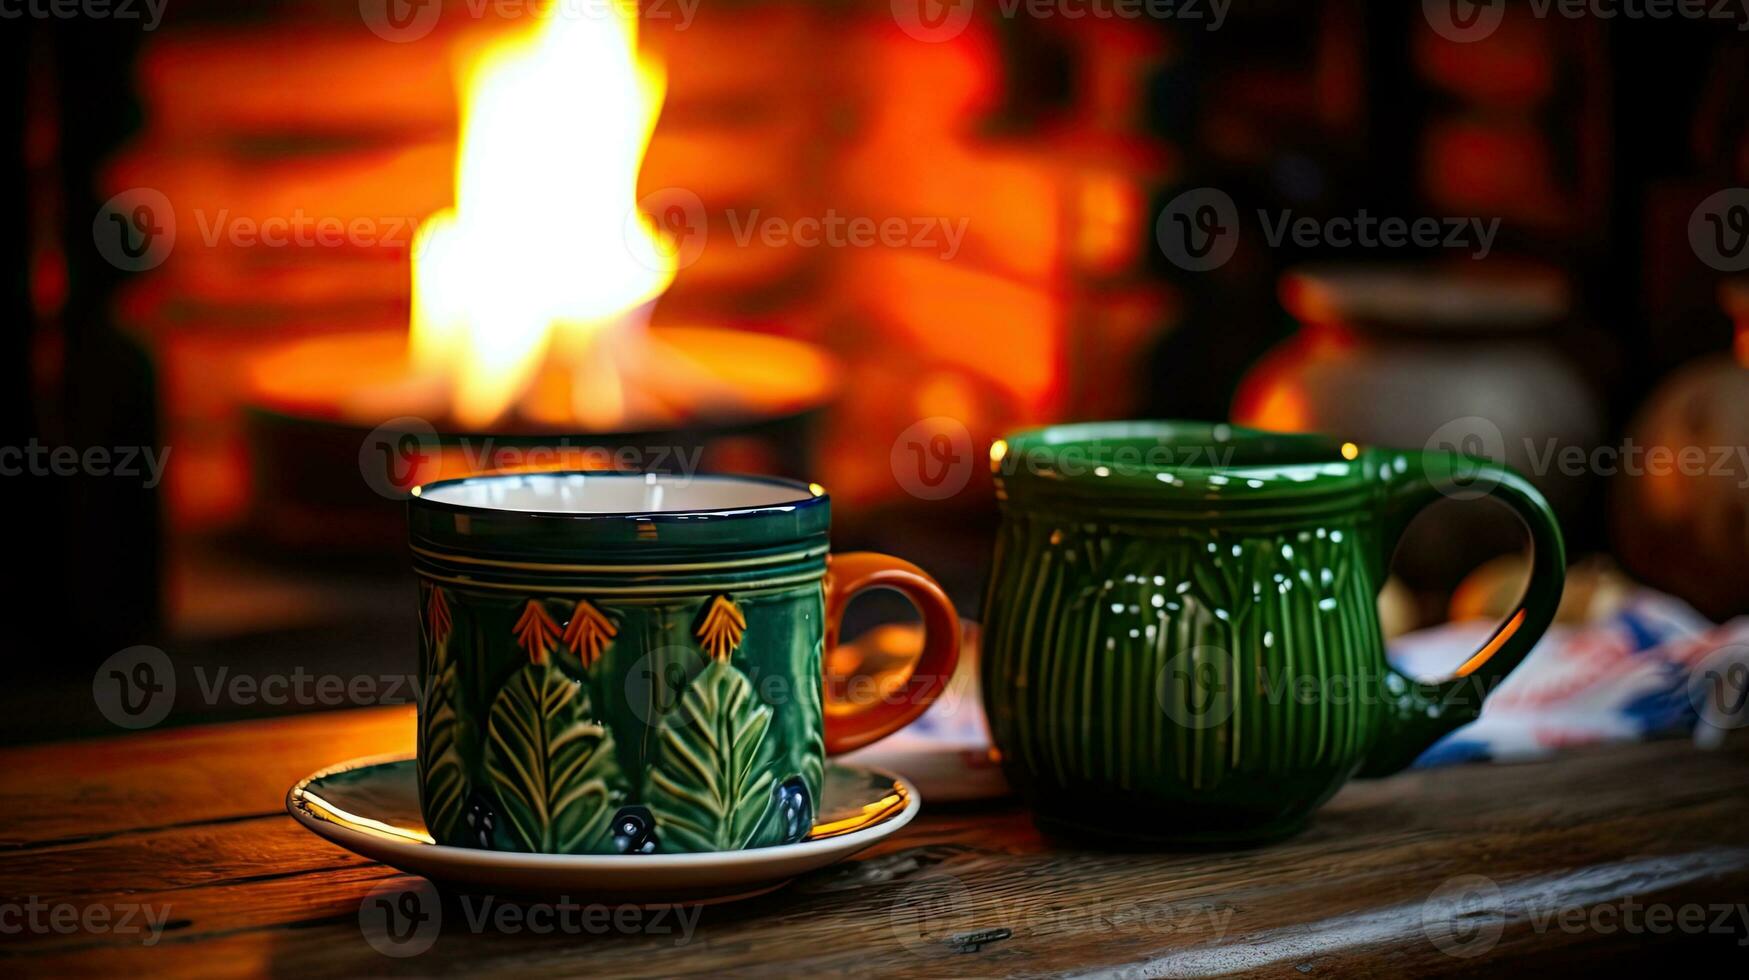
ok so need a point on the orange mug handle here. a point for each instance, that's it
(849, 725)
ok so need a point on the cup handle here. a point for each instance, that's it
(849, 725)
(1418, 714)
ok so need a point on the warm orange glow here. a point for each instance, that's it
(1499, 640)
(1278, 407)
(544, 258)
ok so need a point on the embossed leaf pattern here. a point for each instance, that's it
(720, 632)
(536, 632)
(442, 776)
(588, 632)
(712, 779)
(551, 764)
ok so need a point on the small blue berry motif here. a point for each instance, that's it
(634, 831)
(795, 810)
(481, 819)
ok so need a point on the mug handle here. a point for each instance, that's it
(849, 725)
(1417, 713)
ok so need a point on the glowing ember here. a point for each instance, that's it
(533, 291)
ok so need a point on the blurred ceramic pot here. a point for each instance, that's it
(1682, 522)
(1419, 358)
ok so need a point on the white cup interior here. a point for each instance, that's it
(600, 493)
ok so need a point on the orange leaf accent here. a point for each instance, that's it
(536, 632)
(723, 625)
(437, 620)
(588, 632)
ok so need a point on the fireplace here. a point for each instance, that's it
(963, 306)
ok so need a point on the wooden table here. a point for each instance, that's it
(1539, 864)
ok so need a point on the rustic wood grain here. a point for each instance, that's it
(70, 791)
(190, 822)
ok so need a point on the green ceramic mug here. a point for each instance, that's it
(1181, 640)
(631, 663)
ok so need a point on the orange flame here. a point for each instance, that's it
(544, 259)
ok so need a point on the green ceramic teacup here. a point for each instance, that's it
(631, 663)
(1181, 642)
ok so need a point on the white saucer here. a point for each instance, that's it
(371, 807)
